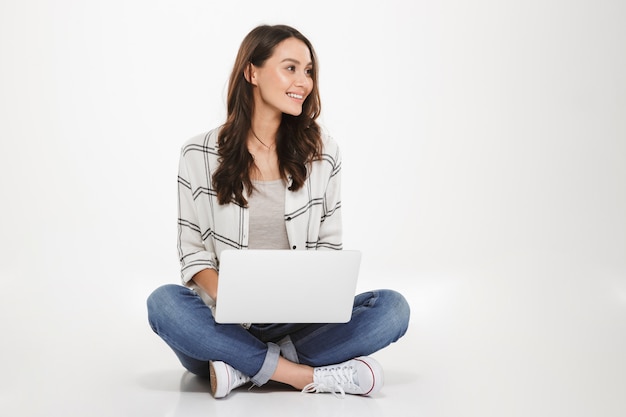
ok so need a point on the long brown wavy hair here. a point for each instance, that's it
(298, 141)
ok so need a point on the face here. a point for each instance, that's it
(284, 81)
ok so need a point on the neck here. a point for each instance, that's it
(264, 130)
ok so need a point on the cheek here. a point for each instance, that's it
(281, 80)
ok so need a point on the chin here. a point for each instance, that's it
(293, 112)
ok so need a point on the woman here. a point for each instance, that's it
(268, 179)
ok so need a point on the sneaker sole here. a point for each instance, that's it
(213, 376)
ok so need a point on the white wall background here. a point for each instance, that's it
(484, 160)
(491, 133)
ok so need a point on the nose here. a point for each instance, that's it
(302, 79)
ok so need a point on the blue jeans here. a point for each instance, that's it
(180, 317)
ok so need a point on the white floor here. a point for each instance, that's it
(477, 346)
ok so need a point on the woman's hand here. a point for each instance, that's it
(207, 280)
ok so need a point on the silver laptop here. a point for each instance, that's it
(286, 286)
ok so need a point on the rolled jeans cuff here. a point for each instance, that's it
(269, 365)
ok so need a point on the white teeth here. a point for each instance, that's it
(298, 96)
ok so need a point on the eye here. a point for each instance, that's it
(309, 72)
(291, 68)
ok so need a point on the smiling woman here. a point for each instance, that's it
(273, 103)
(268, 179)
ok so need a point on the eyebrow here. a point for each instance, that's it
(295, 61)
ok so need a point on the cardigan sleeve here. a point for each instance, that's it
(195, 253)
(330, 234)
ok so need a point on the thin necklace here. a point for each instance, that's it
(262, 143)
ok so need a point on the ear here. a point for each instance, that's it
(250, 73)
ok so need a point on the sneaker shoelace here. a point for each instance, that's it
(335, 380)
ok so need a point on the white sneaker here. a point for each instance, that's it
(224, 378)
(363, 376)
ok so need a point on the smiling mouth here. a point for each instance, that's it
(296, 96)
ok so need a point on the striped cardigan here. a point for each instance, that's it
(206, 228)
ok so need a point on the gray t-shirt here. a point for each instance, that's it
(267, 216)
